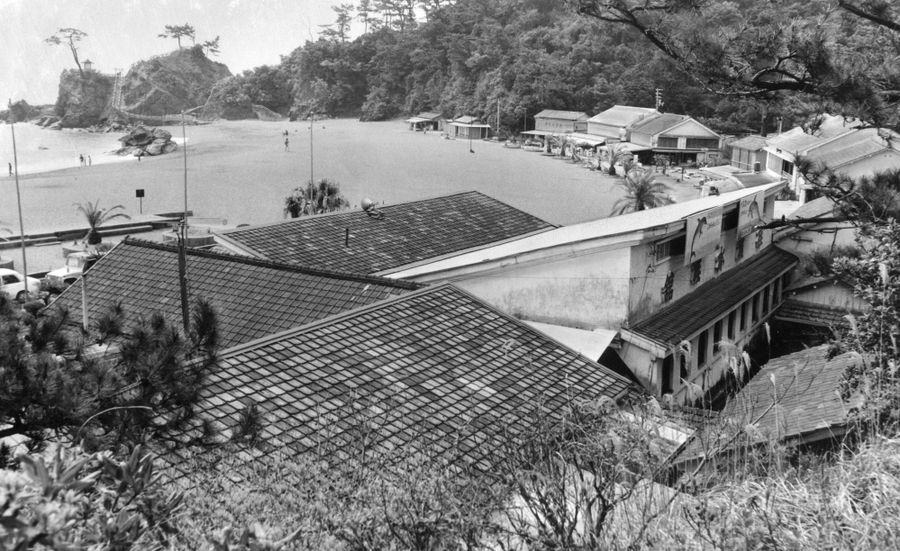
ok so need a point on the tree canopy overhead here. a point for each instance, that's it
(838, 55)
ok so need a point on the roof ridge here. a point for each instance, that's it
(264, 263)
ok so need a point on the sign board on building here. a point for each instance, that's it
(703, 231)
(751, 213)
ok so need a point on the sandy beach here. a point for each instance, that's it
(239, 173)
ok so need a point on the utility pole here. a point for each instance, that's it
(12, 130)
(659, 101)
(312, 120)
(182, 238)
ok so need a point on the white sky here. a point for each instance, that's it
(121, 32)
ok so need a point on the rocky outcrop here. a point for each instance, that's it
(144, 141)
(227, 100)
(171, 83)
(82, 99)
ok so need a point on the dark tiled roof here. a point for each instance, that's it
(812, 314)
(439, 359)
(407, 233)
(252, 297)
(791, 396)
(713, 299)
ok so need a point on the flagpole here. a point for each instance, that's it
(12, 130)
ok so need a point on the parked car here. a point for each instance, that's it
(13, 284)
(57, 280)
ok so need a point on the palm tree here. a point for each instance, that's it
(96, 217)
(615, 152)
(642, 192)
(320, 198)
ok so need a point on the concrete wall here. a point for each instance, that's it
(832, 295)
(587, 291)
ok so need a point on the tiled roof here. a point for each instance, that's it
(562, 115)
(467, 119)
(750, 143)
(407, 233)
(660, 123)
(429, 115)
(622, 115)
(252, 297)
(791, 396)
(812, 314)
(439, 360)
(713, 299)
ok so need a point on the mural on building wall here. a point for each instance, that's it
(703, 230)
(719, 258)
(668, 288)
(751, 213)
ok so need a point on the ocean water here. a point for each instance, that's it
(42, 150)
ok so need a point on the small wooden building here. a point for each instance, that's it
(552, 120)
(467, 127)
(426, 120)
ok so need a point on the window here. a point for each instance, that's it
(702, 143)
(696, 269)
(667, 141)
(765, 300)
(754, 309)
(702, 343)
(743, 316)
(731, 320)
(730, 220)
(787, 167)
(663, 250)
(717, 336)
(682, 362)
(11, 278)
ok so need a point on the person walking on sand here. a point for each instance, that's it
(10, 169)
(81, 160)
(89, 160)
(286, 142)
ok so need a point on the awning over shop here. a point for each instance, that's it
(633, 147)
(586, 140)
(416, 120)
(537, 133)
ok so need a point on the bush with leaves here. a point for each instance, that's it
(72, 500)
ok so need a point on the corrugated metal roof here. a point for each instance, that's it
(791, 396)
(750, 143)
(658, 124)
(793, 141)
(622, 115)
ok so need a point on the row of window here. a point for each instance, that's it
(732, 326)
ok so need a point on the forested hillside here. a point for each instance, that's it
(471, 56)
